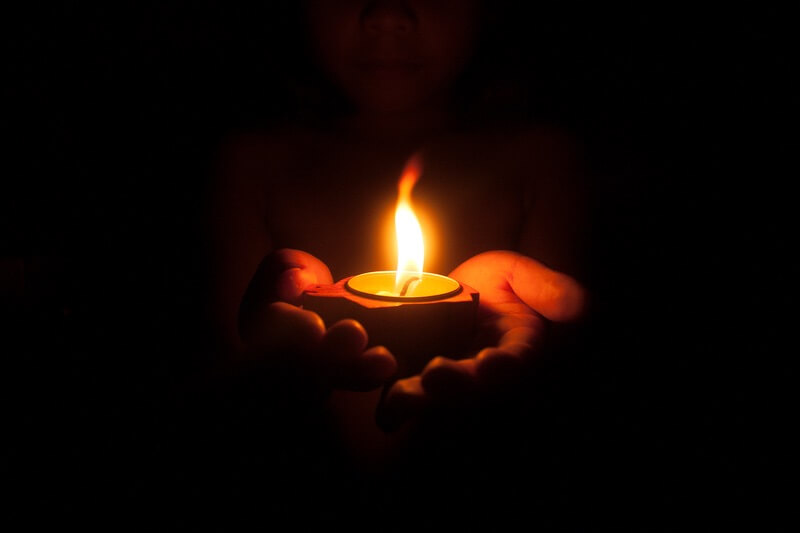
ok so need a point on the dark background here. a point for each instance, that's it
(671, 404)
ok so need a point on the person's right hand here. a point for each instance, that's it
(272, 326)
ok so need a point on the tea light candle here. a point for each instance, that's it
(381, 286)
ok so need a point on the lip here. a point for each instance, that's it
(389, 67)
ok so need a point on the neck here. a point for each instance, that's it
(400, 126)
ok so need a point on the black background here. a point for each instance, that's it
(672, 409)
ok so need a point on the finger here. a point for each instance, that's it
(403, 401)
(272, 282)
(342, 343)
(292, 282)
(368, 371)
(523, 340)
(503, 365)
(450, 382)
(343, 362)
(497, 322)
(299, 271)
(556, 296)
(282, 327)
(497, 368)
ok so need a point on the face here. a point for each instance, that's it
(393, 55)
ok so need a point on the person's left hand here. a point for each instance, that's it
(518, 295)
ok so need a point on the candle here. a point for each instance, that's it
(417, 315)
(383, 286)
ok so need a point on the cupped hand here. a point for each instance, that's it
(273, 326)
(518, 297)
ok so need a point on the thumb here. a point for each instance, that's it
(555, 295)
(300, 270)
(292, 283)
(283, 275)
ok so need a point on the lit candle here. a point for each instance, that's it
(409, 282)
(417, 315)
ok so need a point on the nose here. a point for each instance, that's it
(388, 16)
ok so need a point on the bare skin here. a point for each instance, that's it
(293, 208)
(529, 210)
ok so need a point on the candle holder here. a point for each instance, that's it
(431, 315)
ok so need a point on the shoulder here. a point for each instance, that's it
(248, 166)
(545, 144)
(548, 159)
(260, 153)
(528, 146)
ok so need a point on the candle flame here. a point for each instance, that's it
(410, 247)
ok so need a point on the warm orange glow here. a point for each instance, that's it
(410, 248)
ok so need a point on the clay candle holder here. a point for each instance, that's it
(437, 317)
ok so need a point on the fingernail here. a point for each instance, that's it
(402, 401)
(292, 283)
(447, 381)
(379, 366)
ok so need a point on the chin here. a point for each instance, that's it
(389, 107)
(392, 101)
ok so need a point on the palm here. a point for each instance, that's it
(504, 321)
(517, 295)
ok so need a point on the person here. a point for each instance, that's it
(502, 207)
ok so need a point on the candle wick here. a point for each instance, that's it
(404, 290)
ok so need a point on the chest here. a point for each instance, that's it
(340, 207)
